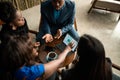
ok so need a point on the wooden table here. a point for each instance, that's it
(42, 53)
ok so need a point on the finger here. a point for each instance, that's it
(37, 44)
(44, 37)
(55, 37)
(58, 37)
(60, 33)
(46, 40)
(51, 39)
(72, 44)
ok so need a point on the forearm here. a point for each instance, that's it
(69, 25)
(66, 28)
(62, 56)
(52, 66)
(69, 21)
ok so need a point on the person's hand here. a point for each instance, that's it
(70, 46)
(48, 38)
(37, 44)
(59, 34)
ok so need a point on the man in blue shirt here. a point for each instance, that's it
(57, 19)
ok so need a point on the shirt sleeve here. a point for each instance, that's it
(30, 72)
(69, 26)
(37, 71)
(44, 26)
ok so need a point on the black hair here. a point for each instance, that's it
(7, 11)
(92, 64)
(17, 52)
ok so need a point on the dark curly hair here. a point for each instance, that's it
(17, 52)
(7, 11)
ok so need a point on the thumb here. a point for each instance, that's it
(44, 37)
(58, 37)
(55, 36)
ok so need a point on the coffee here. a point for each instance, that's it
(51, 56)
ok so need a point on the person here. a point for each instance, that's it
(12, 21)
(92, 64)
(6, 9)
(18, 59)
(57, 19)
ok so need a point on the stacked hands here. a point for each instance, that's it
(49, 38)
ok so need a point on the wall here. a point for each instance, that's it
(24, 4)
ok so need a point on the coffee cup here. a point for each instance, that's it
(51, 56)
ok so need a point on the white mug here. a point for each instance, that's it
(51, 56)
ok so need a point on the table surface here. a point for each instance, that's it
(42, 53)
